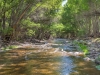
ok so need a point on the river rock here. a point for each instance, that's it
(87, 59)
(97, 62)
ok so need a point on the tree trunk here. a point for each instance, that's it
(95, 26)
(16, 25)
(3, 21)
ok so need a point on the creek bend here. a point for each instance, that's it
(58, 57)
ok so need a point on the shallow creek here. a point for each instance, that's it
(58, 58)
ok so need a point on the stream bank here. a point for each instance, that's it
(93, 45)
(60, 55)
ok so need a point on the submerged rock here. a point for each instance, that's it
(97, 62)
(89, 59)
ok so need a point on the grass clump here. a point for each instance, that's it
(9, 47)
(82, 46)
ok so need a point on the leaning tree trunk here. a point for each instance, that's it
(16, 24)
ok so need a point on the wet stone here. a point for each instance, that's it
(43, 59)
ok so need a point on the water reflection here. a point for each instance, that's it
(45, 62)
(84, 67)
(39, 61)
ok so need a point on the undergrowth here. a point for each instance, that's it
(9, 47)
(82, 46)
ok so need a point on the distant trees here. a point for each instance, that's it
(81, 17)
(25, 18)
(11, 14)
(42, 19)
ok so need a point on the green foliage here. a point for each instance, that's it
(70, 13)
(30, 32)
(82, 46)
(57, 29)
(78, 5)
(17, 13)
(69, 21)
(80, 32)
(52, 6)
(30, 26)
(9, 47)
(8, 31)
(12, 47)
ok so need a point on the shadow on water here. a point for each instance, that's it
(37, 61)
(84, 67)
(42, 63)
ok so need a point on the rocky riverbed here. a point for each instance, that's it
(93, 45)
(60, 55)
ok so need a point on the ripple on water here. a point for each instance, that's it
(53, 61)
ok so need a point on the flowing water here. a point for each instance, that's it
(61, 58)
